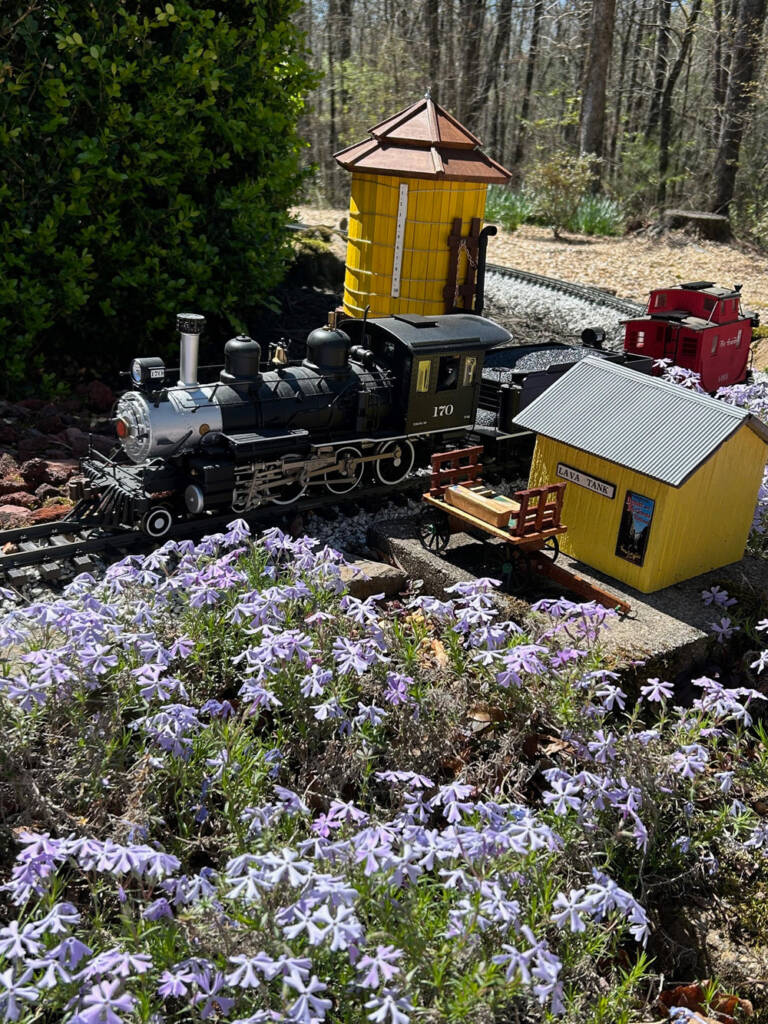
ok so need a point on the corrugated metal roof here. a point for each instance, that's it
(641, 422)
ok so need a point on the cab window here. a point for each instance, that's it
(422, 375)
(448, 373)
(470, 369)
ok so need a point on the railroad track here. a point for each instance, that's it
(51, 551)
(595, 296)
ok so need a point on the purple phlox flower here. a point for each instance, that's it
(603, 747)
(362, 612)
(368, 713)
(725, 781)
(566, 655)
(158, 909)
(329, 710)
(181, 647)
(54, 973)
(154, 685)
(416, 807)
(18, 943)
(245, 974)
(504, 913)
(58, 921)
(70, 952)
(380, 968)
(117, 964)
(175, 982)
(101, 1003)
(356, 655)
(390, 1005)
(397, 689)
(310, 1005)
(656, 690)
(684, 377)
(723, 629)
(717, 596)
(217, 709)
(439, 610)
(97, 658)
(286, 866)
(762, 625)
(571, 908)
(347, 812)
(221, 763)
(14, 991)
(608, 695)
(758, 839)
(258, 696)
(313, 684)
(761, 662)
(171, 728)
(463, 915)
(413, 780)
(291, 802)
(564, 795)
(186, 890)
(209, 987)
(690, 760)
(237, 532)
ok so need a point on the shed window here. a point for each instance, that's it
(470, 368)
(422, 375)
(448, 373)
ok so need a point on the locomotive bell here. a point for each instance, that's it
(242, 359)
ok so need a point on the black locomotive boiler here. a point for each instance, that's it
(365, 396)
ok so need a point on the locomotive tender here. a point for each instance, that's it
(365, 396)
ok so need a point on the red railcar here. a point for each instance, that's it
(699, 326)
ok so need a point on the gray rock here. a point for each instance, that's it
(364, 578)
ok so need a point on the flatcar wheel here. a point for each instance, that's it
(434, 531)
(346, 479)
(551, 549)
(397, 463)
(157, 522)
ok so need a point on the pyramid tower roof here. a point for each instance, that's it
(423, 141)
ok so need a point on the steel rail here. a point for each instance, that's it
(593, 295)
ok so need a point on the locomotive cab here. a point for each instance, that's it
(698, 326)
(437, 363)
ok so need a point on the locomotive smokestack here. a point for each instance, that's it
(190, 326)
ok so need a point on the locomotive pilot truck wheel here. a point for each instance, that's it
(157, 522)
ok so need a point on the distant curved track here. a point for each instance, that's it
(594, 296)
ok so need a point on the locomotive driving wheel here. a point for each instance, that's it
(434, 530)
(349, 473)
(395, 462)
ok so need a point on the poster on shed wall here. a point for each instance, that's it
(634, 528)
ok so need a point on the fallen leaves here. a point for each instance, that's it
(710, 1007)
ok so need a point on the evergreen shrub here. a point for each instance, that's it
(147, 158)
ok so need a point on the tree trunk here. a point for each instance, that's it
(530, 70)
(472, 16)
(661, 66)
(665, 113)
(433, 38)
(592, 121)
(617, 114)
(738, 100)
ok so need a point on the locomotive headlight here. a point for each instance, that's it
(148, 371)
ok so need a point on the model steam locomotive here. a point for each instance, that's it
(366, 396)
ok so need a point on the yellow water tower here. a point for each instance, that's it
(415, 214)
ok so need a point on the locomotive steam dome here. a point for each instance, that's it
(242, 358)
(328, 350)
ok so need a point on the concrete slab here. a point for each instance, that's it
(671, 630)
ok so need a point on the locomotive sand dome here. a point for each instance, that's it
(375, 393)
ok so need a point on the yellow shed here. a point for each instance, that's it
(662, 482)
(415, 214)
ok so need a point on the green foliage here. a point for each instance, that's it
(598, 215)
(561, 182)
(148, 155)
(508, 207)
